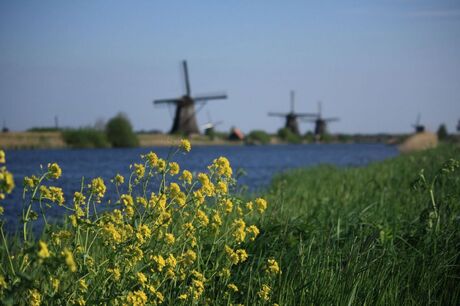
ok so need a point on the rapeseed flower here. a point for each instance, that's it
(54, 171)
(69, 260)
(43, 251)
(35, 298)
(261, 204)
(98, 187)
(186, 176)
(152, 159)
(137, 298)
(264, 292)
(272, 267)
(185, 145)
(2, 157)
(174, 168)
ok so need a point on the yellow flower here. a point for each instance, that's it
(70, 262)
(137, 298)
(225, 273)
(222, 166)
(115, 273)
(169, 239)
(78, 198)
(55, 283)
(249, 206)
(54, 171)
(83, 285)
(264, 292)
(228, 205)
(139, 169)
(56, 195)
(161, 165)
(242, 255)
(186, 176)
(239, 230)
(185, 145)
(43, 251)
(254, 231)
(98, 187)
(152, 159)
(141, 278)
(31, 181)
(232, 255)
(189, 257)
(183, 297)
(261, 204)
(174, 168)
(222, 188)
(232, 287)
(171, 261)
(127, 200)
(160, 261)
(119, 179)
(202, 217)
(2, 157)
(35, 298)
(272, 267)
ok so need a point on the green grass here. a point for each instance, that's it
(366, 235)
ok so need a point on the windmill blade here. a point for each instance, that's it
(417, 123)
(277, 114)
(292, 101)
(306, 115)
(332, 119)
(187, 81)
(218, 123)
(204, 98)
(166, 101)
(308, 119)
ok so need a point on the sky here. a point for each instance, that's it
(373, 64)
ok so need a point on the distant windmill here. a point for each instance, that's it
(458, 126)
(419, 128)
(209, 127)
(320, 122)
(291, 117)
(185, 117)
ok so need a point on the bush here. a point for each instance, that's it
(258, 137)
(442, 132)
(120, 132)
(85, 138)
(287, 135)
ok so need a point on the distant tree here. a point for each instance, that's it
(442, 132)
(120, 132)
(258, 137)
(288, 136)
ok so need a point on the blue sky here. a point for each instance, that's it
(374, 64)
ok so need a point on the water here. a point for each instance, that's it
(259, 162)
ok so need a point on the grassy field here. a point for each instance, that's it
(386, 234)
(382, 234)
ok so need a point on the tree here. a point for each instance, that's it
(442, 132)
(120, 132)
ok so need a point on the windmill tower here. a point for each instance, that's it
(185, 116)
(291, 117)
(320, 122)
(419, 128)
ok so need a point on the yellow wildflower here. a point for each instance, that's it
(56, 195)
(137, 298)
(186, 176)
(35, 298)
(78, 198)
(169, 238)
(119, 179)
(228, 205)
(115, 273)
(202, 217)
(98, 187)
(68, 256)
(43, 251)
(189, 257)
(139, 169)
(183, 297)
(161, 165)
(264, 292)
(152, 159)
(3, 284)
(232, 255)
(2, 157)
(160, 261)
(83, 285)
(127, 200)
(239, 230)
(222, 188)
(225, 273)
(54, 171)
(254, 231)
(261, 204)
(31, 181)
(272, 267)
(55, 283)
(232, 287)
(141, 278)
(174, 168)
(171, 261)
(185, 145)
(242, 255)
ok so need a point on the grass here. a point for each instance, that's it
(366, 235)
(378, 235)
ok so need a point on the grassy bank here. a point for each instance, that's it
(367, 235)
(379, 235)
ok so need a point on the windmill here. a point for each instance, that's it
(209, 127)
(458, 126)
(320, 122)
(419, 128)
(291, 117)
(185, 116)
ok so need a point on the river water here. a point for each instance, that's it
(260, 164)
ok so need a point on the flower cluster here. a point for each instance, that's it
(165, 238)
